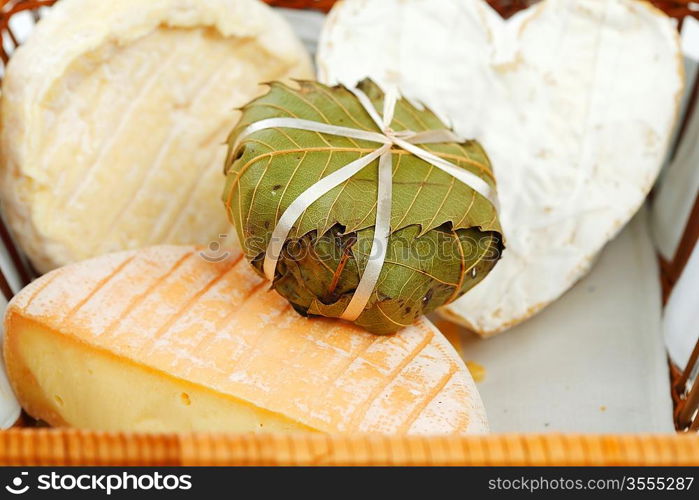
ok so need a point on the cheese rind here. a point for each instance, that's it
(162, 339)
(114, 116)
(574, 102)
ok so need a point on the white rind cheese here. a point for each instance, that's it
(114, 116)
(573, 101)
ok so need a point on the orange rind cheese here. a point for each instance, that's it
(163, 339)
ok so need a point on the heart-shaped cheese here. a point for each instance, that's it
(573, 101)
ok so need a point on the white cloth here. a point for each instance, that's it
(591, 362)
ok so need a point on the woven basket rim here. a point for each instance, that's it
(58, 447)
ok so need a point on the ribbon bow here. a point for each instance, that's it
(387, 137)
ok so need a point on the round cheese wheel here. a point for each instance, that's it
(170, 339)
(114, 116)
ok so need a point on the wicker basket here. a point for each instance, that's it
(41, 446)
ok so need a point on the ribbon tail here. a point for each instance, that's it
(468, 178)
(390, 99)
(379, 245)
(308, 125)
(434, 136)
(368, 106)
(305, 200)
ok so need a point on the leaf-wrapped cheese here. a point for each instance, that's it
(444, 239)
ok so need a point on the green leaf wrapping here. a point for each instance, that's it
(445, 237)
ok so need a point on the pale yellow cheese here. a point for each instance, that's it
(114, 116)
(163, 340)
(107, 394)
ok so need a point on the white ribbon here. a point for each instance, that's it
(405, 139)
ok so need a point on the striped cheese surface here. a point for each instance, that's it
(217, 325)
